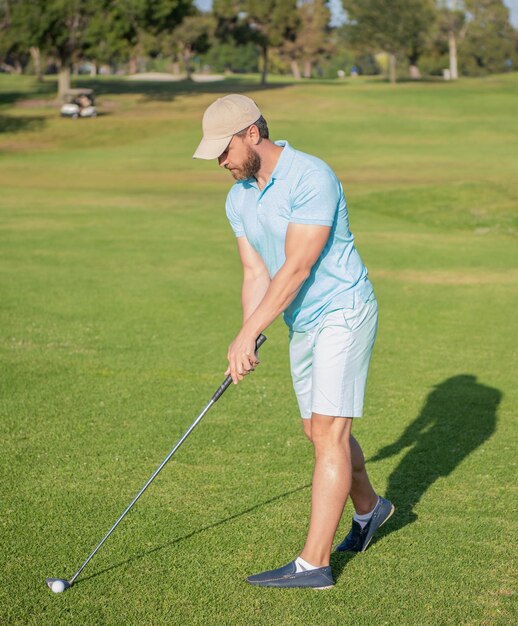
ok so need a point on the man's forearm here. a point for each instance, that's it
(304, 245)
(252, 293)
(280, 293)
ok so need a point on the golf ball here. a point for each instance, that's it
(58, 586)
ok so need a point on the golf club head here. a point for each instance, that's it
(50, 582)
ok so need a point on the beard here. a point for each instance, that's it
(249, 168)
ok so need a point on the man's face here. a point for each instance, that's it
(240, 158)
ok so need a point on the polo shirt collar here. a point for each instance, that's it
(283, 166)
(281, 170)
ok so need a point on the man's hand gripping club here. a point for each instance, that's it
(304, 244)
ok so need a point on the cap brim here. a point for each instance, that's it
(211, 148)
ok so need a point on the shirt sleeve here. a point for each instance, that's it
(316, 199)
(233, 217)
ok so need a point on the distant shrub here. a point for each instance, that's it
(231, 57)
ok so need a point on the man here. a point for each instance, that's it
(289, 215)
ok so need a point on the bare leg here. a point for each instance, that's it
(360, 489)
(332, 478)
(362, 493)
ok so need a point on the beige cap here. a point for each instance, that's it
(223, 119)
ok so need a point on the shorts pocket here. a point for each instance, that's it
(360, 313)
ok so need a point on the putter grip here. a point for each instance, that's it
(228, 380)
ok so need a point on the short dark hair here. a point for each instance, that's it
(262, 126)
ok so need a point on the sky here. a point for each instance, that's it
(205, 5)
(513, 6)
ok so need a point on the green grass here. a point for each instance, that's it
(119, 292)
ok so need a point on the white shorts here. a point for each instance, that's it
(329, 363)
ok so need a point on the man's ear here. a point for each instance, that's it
(253, 134)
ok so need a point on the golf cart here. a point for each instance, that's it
(79, 103)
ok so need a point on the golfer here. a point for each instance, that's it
(289, 215)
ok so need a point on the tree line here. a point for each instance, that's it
(455, 37)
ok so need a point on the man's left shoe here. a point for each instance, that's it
(287, 576)
(359, 538)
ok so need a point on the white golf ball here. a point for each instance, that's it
(58, 586)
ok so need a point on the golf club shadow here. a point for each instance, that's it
(141, 555)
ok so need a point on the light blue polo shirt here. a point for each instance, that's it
(302, 190)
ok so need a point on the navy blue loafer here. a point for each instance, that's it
(287, 576)
(359, 538)
(353, 541)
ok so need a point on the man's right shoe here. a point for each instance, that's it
(287, 577)
(359, 538)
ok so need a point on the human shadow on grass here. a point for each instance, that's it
(168, 544)
(459, 415)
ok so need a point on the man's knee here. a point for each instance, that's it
(330, 431)
(323, 429)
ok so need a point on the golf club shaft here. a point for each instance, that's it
(217, 395)
(157, 471)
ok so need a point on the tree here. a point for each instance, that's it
(489, 42)
(419, 22)
(150, 24)
(70, 30)
(108, 35)
(60, 32)
(228, 56)
(20, 25)
(272, 22)
(447, 35)
(394, 27)
(233, 38)
(312, 39)
(451, 22)
(193, 36)
(56, 27)
(230, 25)
(7, 42)
(266, 23)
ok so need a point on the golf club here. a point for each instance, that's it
(60, 584)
